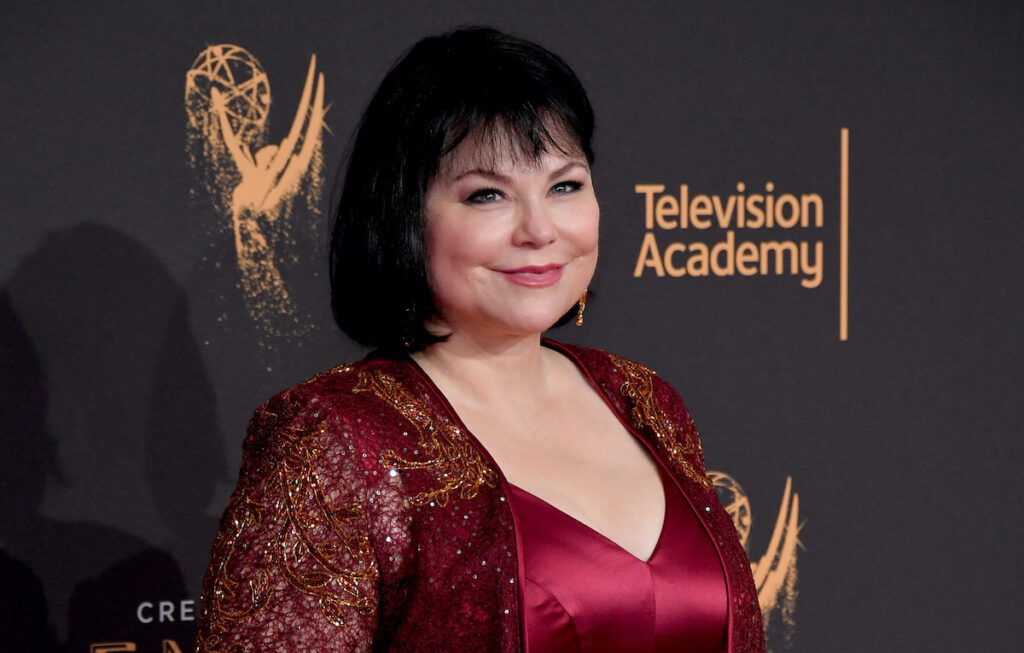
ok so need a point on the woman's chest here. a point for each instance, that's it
(585, 463)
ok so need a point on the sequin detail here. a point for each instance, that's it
(304, 541)
(646, 413)
(449, 453)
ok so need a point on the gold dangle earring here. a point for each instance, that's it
(582, 306)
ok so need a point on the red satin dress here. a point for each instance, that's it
(583, 592)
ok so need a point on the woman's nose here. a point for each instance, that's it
(535, 227)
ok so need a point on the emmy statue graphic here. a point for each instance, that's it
(227, 97)
(775, 573)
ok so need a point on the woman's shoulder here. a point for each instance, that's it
(339, 386)
(654, 407)
(341, 403)
(605, 367)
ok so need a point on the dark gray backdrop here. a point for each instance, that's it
(130, 364)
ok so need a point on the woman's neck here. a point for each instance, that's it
(482, 371)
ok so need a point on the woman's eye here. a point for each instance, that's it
(564, 187)
(484, 195)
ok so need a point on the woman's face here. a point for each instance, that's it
(511, 246)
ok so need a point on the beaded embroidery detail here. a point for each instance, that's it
(638, 388)
(312, 545)
(454, 459)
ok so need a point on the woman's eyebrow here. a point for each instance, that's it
(484, 172)
(566, 168)
(498, 176)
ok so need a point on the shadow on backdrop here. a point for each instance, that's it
(112, 439)
(27, 461)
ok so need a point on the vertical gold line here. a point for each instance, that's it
(844, 232)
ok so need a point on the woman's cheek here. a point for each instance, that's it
(587, 236)
(580, 225)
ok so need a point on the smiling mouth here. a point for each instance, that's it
(535, 276)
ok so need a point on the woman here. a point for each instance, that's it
(470, 486)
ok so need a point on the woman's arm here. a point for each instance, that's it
(292, 567)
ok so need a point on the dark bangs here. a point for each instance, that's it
(511, 97)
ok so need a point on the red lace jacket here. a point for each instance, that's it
(367, 518)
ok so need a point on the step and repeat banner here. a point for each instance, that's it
(810, 227)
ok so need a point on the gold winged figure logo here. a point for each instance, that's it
(775, 571)
(255, 183)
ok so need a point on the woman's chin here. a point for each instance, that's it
(534, 325)
(516, 321)
(505, 329)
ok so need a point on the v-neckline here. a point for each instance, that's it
(663, 474)
(578, 523)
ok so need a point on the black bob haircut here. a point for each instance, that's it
(473, 82)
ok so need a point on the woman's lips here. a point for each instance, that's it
(535, 276)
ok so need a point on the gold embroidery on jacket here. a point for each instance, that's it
(449, 453)
(316, 547)
(645, 411)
